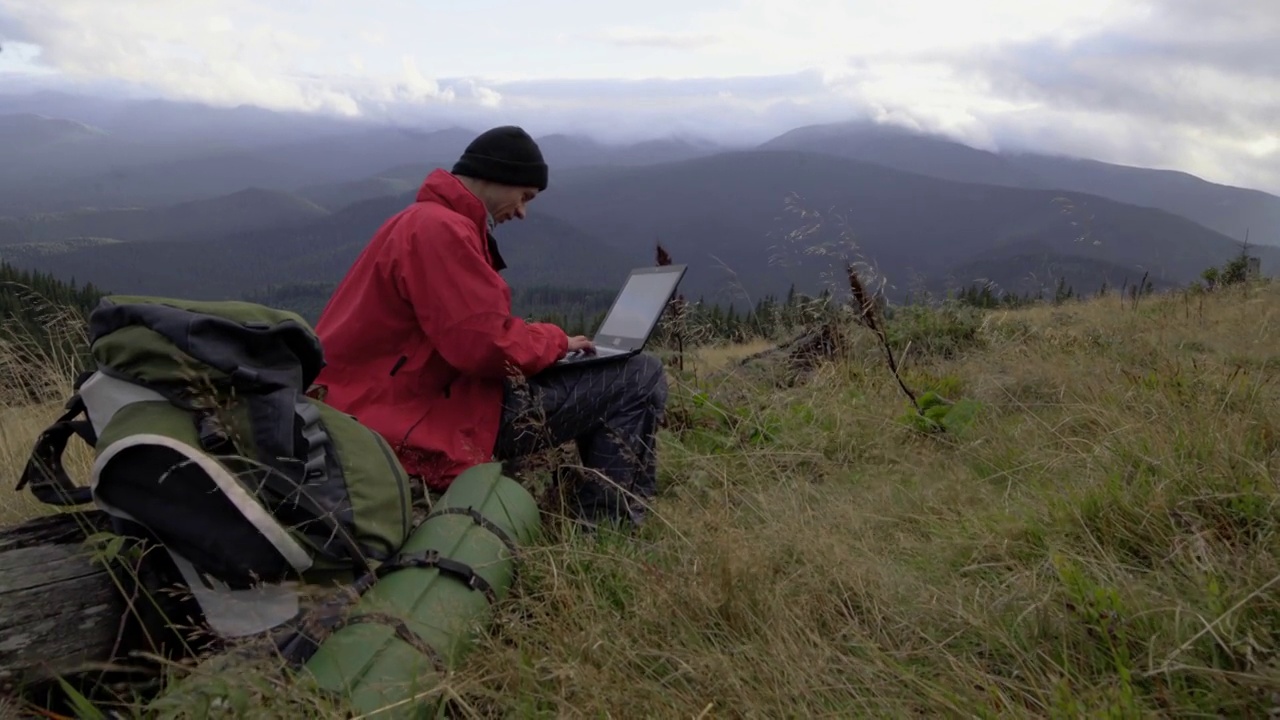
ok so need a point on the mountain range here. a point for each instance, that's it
(169, 198)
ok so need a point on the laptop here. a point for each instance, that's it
(634, 314)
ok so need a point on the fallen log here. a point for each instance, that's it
(58, 609)
(65, 614)
(802, 354)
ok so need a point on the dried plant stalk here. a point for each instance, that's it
(866, 316)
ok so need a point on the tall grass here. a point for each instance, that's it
(36, 376)
(1096, 537)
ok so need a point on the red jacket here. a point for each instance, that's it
(419, 335)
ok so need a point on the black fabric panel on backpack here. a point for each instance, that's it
(208, 337)
(161, 489)
(164, 618)
(276, 364)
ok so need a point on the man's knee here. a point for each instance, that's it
(650, 378)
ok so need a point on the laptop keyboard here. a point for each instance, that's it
(578, 355)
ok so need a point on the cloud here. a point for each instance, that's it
(638, 37)
(222, 53)
(1191, 84)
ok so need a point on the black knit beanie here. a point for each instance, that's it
(504, 155)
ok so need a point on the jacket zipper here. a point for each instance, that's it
(399, 364)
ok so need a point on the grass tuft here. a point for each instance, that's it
(1094, 535)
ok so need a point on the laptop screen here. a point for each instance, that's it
(639, 305)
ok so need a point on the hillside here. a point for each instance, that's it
(731, 208)
(406, 178)
(128, 171)
(175, 123)
(1092, 536)
(725, 215)
(1229, 210)
(41, 157)
(572, 308)
(245, 210)
(26, 132)
(1035, 270)
(904, 149)
(1232, 211)
(285, 209)
(542, 250)
(391, 182)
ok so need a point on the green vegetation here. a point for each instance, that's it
(23, 295)
(41, 324)
(1081, 521)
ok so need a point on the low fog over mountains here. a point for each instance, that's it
(168, 198)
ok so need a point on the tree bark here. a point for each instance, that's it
(59, 610)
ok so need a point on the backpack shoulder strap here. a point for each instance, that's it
(44, 472)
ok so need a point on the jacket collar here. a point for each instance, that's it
(443, 188)
(495, 257)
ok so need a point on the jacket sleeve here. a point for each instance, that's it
(462, 304)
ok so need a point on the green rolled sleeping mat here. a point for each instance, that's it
(417, 619)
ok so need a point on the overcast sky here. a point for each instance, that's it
(1186, 84)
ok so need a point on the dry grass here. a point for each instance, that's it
(717, 357)
(1097, 540)
(19, 427)
(34, 383)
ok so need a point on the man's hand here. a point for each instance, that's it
(581, 343)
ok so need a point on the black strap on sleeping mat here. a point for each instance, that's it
(427, 560)
(480, 520)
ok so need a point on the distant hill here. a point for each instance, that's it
(1228, 210)
(542, 250)
(730, 210)
(726, 216)
(1232, 211)
(392, 182)
(904, 149)
(1031, 269)
(244, 205)
(175, 123)
(246, 210)
(568, 151)
(574, 307)
(24, 252)
(127, 171)
(172, 175)
(25, 132)
(407, 178)
(11, 231)
(40, 156)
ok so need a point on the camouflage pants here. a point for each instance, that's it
(612, 411)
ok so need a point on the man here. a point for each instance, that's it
(422, 347)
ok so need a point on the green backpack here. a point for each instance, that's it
(204, 437)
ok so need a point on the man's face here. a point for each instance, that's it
(507, 202)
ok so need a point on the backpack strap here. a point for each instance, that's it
(44, 472)
(284, 488)
(316, 441)
(288, 490)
